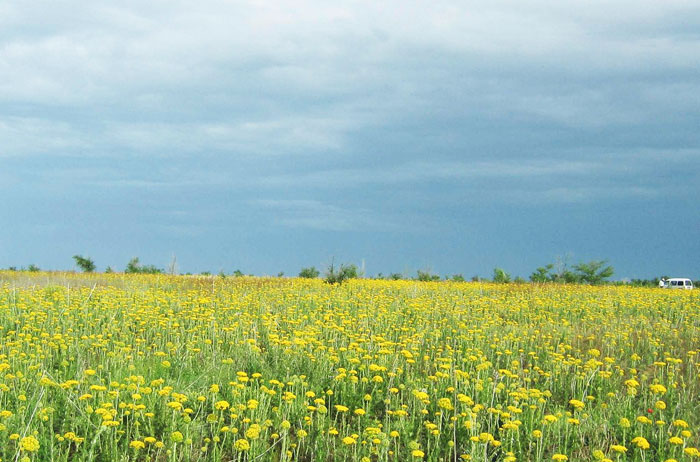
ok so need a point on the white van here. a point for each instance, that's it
(676, 283)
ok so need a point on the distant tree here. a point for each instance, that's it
(500, 276)
(458, 278)
(33, 268)
(12, 268)
(238, 273)
(593, 272)
(309, 273)
(280, 274)
(340, 274)
(172, 267)
(427, 276)
(476, 278)
(135, 267)
(519, 280)
(542, 274)
(396, 276)
(109, 270)
(205, 273)
(84, 263)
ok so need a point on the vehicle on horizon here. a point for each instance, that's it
(676, 283)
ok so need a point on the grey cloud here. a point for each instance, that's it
(323, 216)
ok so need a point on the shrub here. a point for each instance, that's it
(427, 276)
(309, 273)
(500, 276)
(340, 275)
(84, 263)
(135, 267)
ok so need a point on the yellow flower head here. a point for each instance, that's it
(29, 444)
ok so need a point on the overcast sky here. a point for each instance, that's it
(451, 136)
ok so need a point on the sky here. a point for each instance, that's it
(267, 136)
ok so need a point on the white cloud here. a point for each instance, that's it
(30, 135)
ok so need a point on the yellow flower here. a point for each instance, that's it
(253, 432)
(29, 444)
(560, 457)
(675, 440)
(137, 444)
(618, 448)
(241, 445)
(348, 440)
(658, 389)
(176, 437)
(641, 442)
(417, 453)
(577, 404)
(221, 405)
(445, 403)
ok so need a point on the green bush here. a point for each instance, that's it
(84, 263)
(340, 275)
(309, 273)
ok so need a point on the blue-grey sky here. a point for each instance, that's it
(451, 136)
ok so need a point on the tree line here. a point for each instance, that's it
(594, 272)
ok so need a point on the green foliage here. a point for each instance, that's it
(33, 268)
(396, 276)
(309, 273)
(542, 274)
(458, 278)
(427, 276)
(500, 276)
(135, 267)
(341, 274)
(238, 273)
(593, 272)
(109, 270)
(84, 263)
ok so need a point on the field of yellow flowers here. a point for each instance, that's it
(175, 368)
